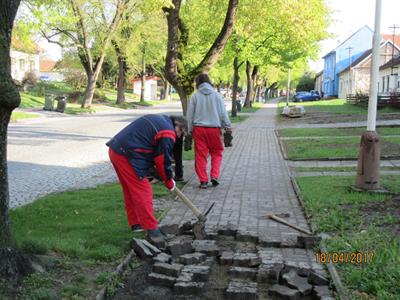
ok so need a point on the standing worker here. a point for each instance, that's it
(206, 116)
(146, 142)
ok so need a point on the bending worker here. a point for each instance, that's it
(146, 142)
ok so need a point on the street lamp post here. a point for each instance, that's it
(369, 159)
(288, 88)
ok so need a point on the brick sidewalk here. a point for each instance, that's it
(254, 182)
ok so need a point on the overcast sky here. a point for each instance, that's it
(350, 15)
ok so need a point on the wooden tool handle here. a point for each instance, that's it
(189, 203)
(280, 220)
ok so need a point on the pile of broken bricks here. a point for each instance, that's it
(185, 264)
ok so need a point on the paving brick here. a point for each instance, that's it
(162, 258)
(246, 259)
(208, 247)
(309, 242)
(161, 280)
(267, 241)
(170, 229)
(185, 277)
(269, 273)
(284, 292)
(243, 273)
(294, 281)
(238, 290)
(226, 258)
(144, 249)
(172, 270)
(247, 236)
(192, 258)
(188, 288)
(200, 273)
(180, 245)
(321, 292)
(317, 279)
(228, 230)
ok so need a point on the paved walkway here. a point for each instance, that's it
(254, 181)
(336, 163)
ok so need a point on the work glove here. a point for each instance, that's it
(170, 184)
(187, 143)
(228, 137)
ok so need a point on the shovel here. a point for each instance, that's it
(198, 227)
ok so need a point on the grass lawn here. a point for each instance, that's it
(337, 106)
(255, 106)
(31, 101)
(344, 147)
(359, 222)
(238, 119)
(298, 132)
(188, 155)
(17, 115)
(85, 230)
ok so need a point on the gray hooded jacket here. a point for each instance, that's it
(207, 109)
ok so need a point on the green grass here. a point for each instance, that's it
(17, 115)
(238, 119)
(31, 101)
(299, 132)
(188, 155)
(255, 106)
(85, 224)
(337, 148)
(336, 106)
(335, 208)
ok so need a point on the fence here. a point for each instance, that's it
(392, 100)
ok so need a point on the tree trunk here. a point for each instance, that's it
(175, 71)
(236, 78)
(121, 80)
(89, 91)
(143, 76)
(249, 93)
(12, 263)
(165, 94)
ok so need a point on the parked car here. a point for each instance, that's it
(306, 96)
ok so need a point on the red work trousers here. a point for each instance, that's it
(138, 194)
(207, 140)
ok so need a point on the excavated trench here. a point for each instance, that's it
(225, 266)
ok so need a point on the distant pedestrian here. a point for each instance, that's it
(206, 116)
(147, 141)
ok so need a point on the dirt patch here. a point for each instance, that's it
(385, 214)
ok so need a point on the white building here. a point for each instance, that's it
(389, 79)
(48, 71)
(355, 79)
(150, 87)
(22, 63)
(319, 82)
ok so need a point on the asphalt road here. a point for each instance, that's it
(62, 153)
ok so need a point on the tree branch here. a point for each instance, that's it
(219, 44)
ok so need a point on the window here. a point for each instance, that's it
(31, 65)
(387, 83)
(22, 64)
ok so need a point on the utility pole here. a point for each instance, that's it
(369, 159)
(349, 77)
(288, 88)
(394, 27)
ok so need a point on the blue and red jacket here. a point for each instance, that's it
(146, 142)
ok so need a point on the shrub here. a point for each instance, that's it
(76, 79)
(73, 97)
(29, 79)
